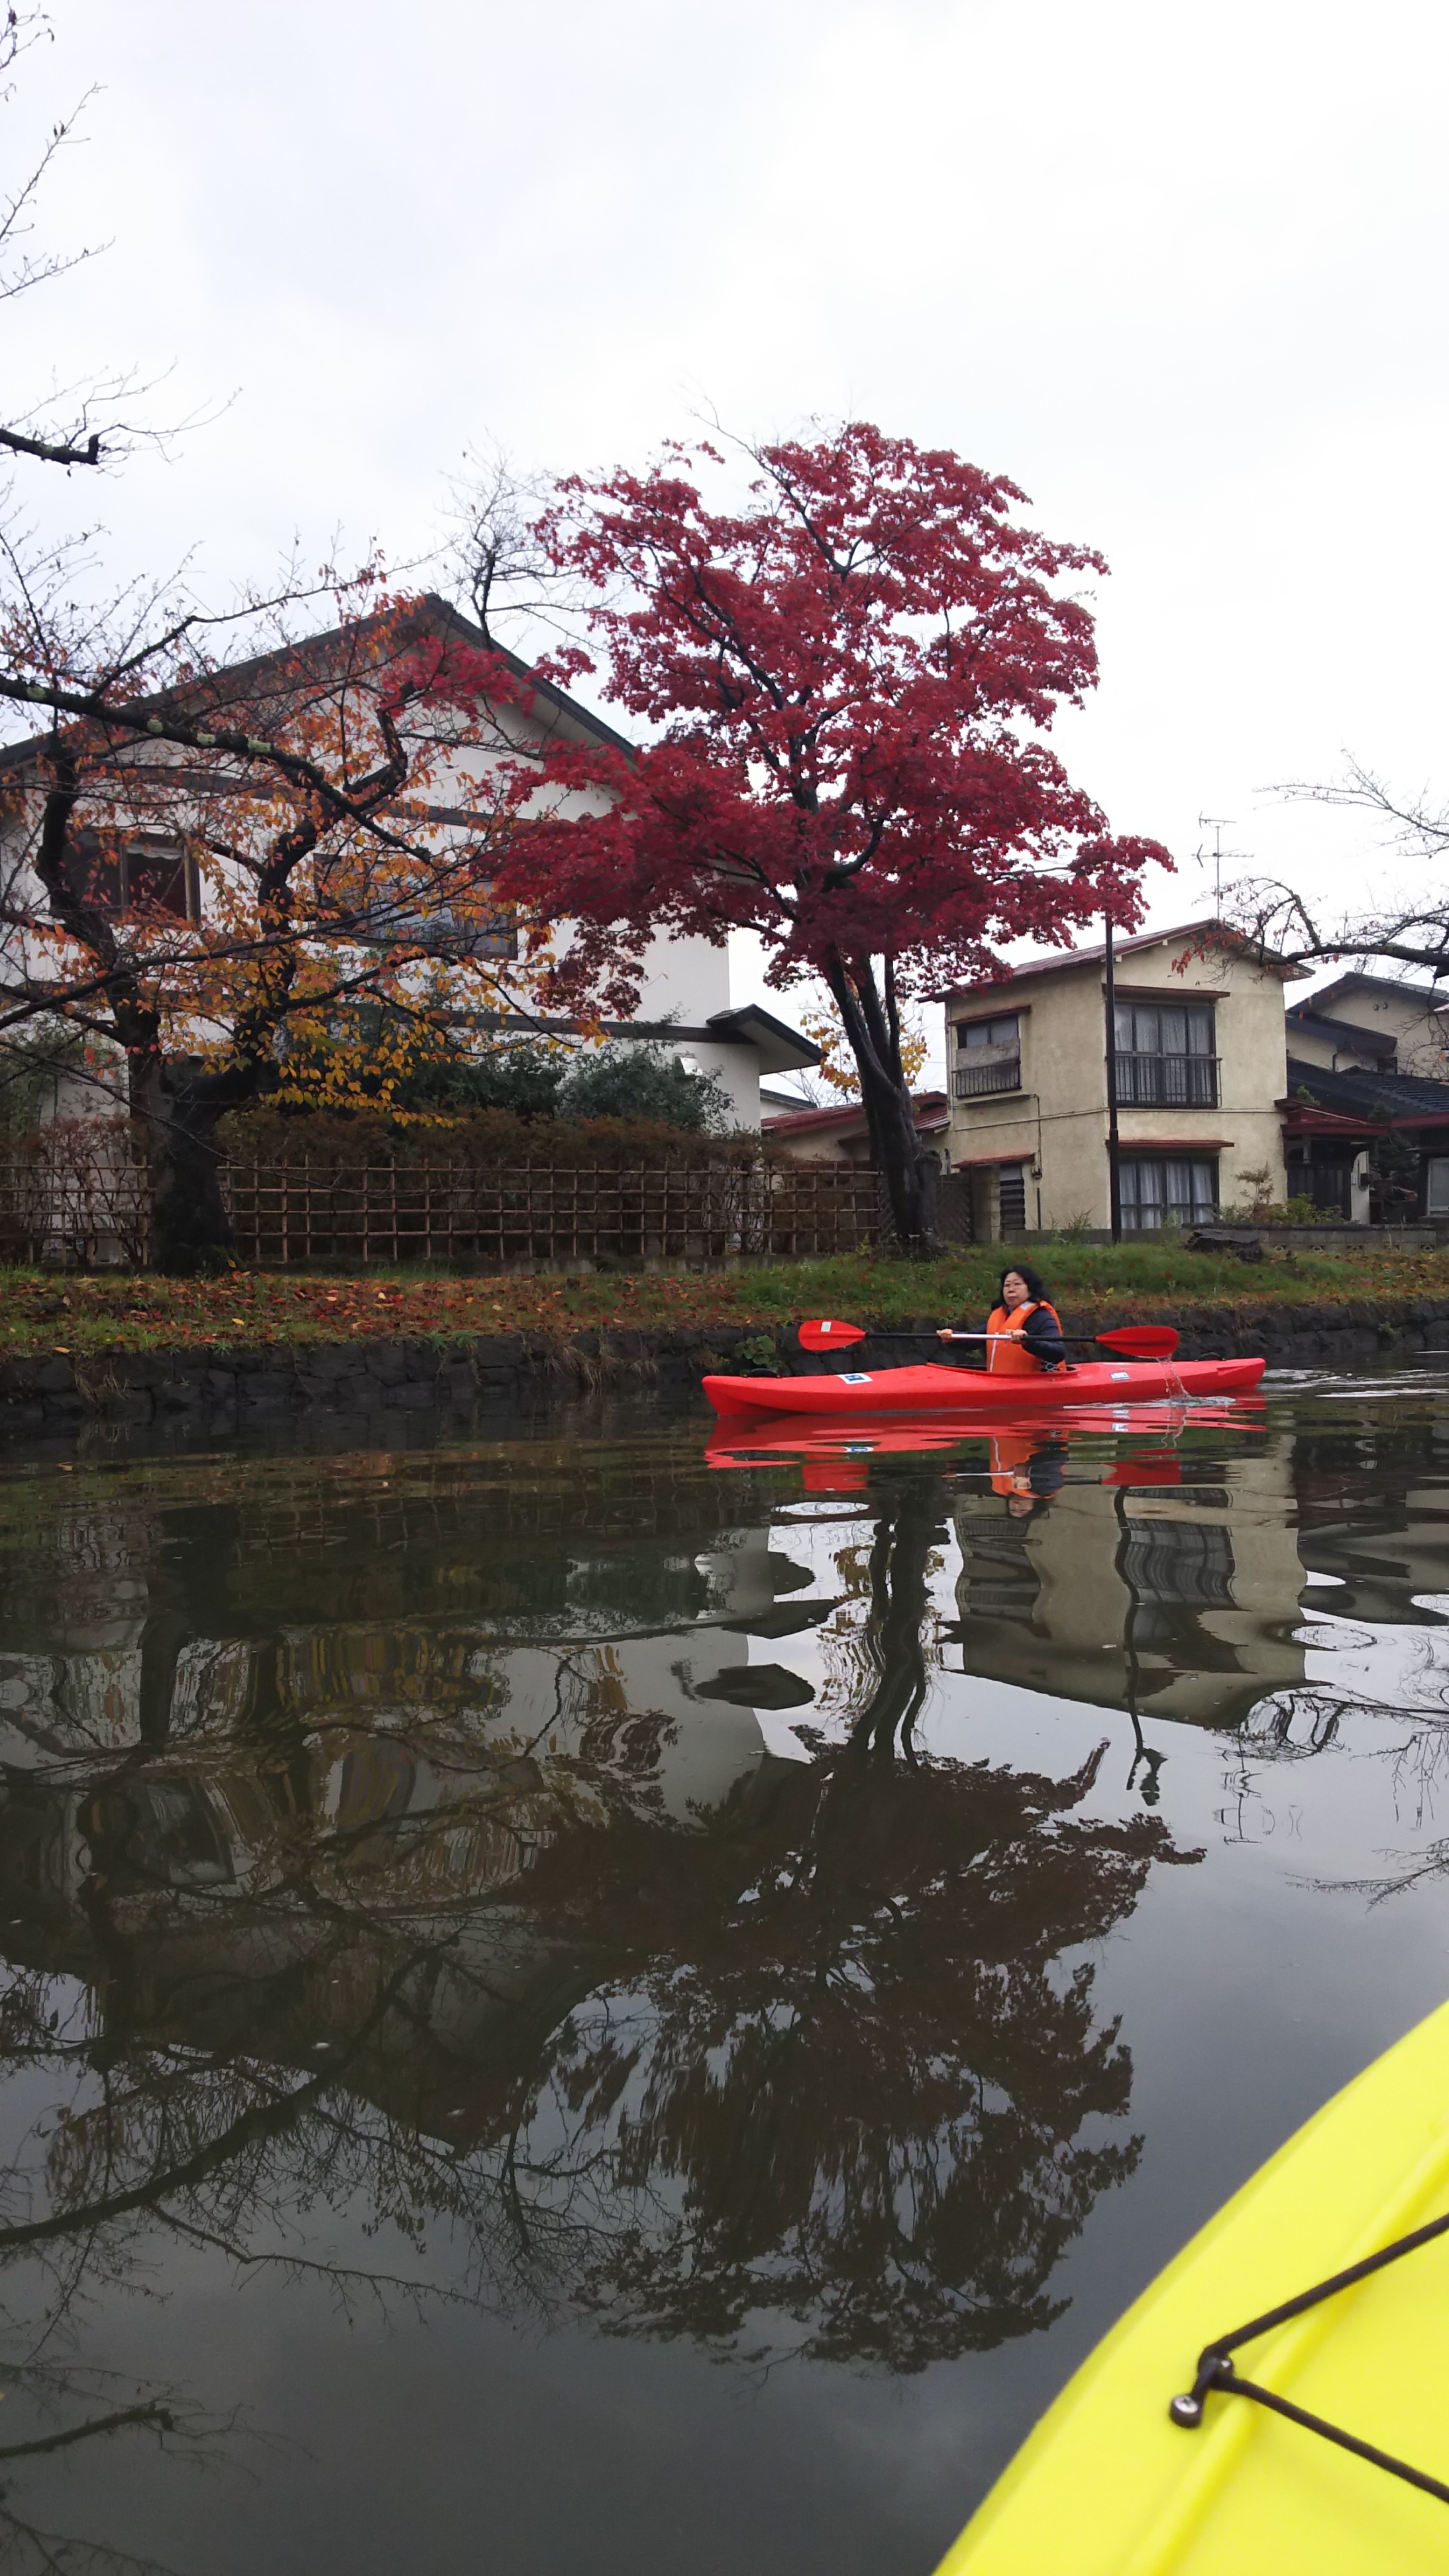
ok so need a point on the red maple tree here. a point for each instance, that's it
(850, 674)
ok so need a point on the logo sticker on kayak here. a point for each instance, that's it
(855, 1377)
(1120, 1372)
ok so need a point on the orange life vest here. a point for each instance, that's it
(1011, 1455)
(1013, 1359)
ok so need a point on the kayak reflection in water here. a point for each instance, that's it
(1024, 1328)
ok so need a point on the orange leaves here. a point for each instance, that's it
(323, 824)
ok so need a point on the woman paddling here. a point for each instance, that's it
(1025, 1328)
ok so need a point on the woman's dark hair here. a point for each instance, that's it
(1035, 1288)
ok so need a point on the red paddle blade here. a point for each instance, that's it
(1141, 1341)
(827, 1333)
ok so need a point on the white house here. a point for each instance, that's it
(684, 999)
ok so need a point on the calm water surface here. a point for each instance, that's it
(587, 1999)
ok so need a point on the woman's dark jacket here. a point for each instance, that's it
(1042, 1337)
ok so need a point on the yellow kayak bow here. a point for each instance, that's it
(1110, 2485)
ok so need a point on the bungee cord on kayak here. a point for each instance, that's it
(1217, 2370)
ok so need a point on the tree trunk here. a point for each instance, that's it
(895, 1629)
(190, 1228)
(906, 1166)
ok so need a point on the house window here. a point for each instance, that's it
(1436, 1185)
(158, 877)
(1170, 1567)
(1188, 1561)
(1012, 1198)
(151, 874)
(1168, 1192)
(1165, 1056)
(988, 1056)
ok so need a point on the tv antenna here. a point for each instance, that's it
(1217, 824)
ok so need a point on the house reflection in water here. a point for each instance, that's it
(1167, 1584)
(262, 1827)
(567, 1879)
(428, 1822)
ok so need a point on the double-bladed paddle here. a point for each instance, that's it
(1132, 1341)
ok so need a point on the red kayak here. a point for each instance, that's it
(737, 1442)
(933, 1389)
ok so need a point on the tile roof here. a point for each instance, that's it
(214, 692)
(1376, 1096)
(1434, 996)
(1057, 961)
(931, 1109)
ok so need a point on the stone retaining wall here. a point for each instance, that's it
(362, 1377)
(378, 1375)
(1308, 1336)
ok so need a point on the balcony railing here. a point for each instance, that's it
(998, 1073)
(1167, 1081)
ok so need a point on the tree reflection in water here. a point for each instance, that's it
(816, 2069)
(846, 2089)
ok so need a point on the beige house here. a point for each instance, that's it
(1373, 1024)
(1366, 1118)
(1201, 1065)
(1173, 1601)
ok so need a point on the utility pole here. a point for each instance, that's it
(1114, 1151)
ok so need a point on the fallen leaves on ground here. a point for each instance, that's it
(249, 1310)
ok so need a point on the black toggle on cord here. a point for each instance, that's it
(1216, 2368)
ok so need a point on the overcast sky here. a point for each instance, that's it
(1179, 272)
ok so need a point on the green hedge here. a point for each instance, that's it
(333, 1142)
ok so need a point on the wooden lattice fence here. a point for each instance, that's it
(90, 1210)
(74, 1193)
(500, 1216)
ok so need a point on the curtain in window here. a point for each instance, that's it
(1189, 1561)
(1184, 1191)
(1157, 1028)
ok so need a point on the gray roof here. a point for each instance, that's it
(211, 694)
(1378, 1097)
(1403, 989)
(1208, 933)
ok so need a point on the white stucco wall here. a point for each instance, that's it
(685, 981)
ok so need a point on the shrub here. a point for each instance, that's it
(522, 1077)
(1259, 1208)
(644, 1082)
(330, 1141)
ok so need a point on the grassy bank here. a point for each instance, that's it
(42, 1311)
